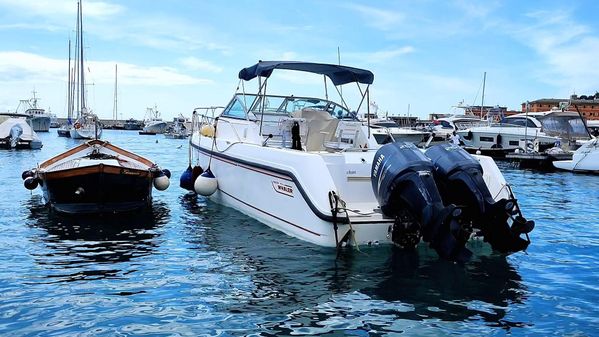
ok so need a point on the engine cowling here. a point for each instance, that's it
(459, 177)
(403, 183)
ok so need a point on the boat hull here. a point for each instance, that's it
(584, 160)
(97, 189)
(156, 127)
(288, 200)
(64, 132)
(85, 133)
(39, 123)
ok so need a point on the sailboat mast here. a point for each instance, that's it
(75, 74)
(115, 106)
(82, 69)
(482, 102)
(69, 101)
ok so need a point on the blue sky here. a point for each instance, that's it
(180, 54)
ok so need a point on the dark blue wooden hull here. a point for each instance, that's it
(99, 192)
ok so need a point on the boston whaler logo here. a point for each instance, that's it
(282, 188)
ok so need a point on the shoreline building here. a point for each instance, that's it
(587, 105)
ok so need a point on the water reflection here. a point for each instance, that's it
(301, 286)
(89, 247)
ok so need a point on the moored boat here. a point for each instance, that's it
(97, 177)
(177, 130)
(36, 116)
(16, 133)
(153, 123)
(133, 124)
(308, 167)
(584, 160)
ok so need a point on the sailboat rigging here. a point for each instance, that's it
(86, 126)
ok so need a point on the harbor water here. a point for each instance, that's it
(191, 267)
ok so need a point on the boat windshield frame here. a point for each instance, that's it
(250, 106)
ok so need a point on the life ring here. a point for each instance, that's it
(77, 125)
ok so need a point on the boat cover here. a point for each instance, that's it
(28, 133)
(337, 73)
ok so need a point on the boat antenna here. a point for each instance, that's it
(339, 63)
(526, 127)
(482, 102)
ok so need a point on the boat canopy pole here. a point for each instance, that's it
(584, 122)
(368, 111)
(245, 103)
(262, 103)
(326, 93)
(341, 96)
(363, 96)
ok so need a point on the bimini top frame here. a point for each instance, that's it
(338, 74)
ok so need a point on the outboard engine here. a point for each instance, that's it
(15, 134)
(403, 183)
(459, 177)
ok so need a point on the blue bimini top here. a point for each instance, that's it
(337, 73)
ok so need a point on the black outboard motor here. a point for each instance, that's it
(459, 177)
(403, 183)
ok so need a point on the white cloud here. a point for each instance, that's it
(378, 18)
(18, 66)
(480, 9)
(52, 8)
(385, 55)
(568, 48)
(195, 63)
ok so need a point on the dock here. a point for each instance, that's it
(537, 161)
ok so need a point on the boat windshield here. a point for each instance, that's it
(566, 125)
(389, 124)
(254, 105)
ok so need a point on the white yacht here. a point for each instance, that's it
(443, 127)
(518, 131)
(585, 159)
(385, 131)
(307, 167)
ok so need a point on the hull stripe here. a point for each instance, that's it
(274, 172)
(271, 215)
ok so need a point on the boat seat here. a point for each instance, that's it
(321, 127)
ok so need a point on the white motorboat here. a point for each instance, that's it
(177, 130)
(442, 128)
(385, 131)
(86, 126)
(585, 159)
(16, 133)
(307, 167)
(514, 132)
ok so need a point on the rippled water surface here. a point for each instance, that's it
(192, 267)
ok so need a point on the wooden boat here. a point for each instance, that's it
(97, 177)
